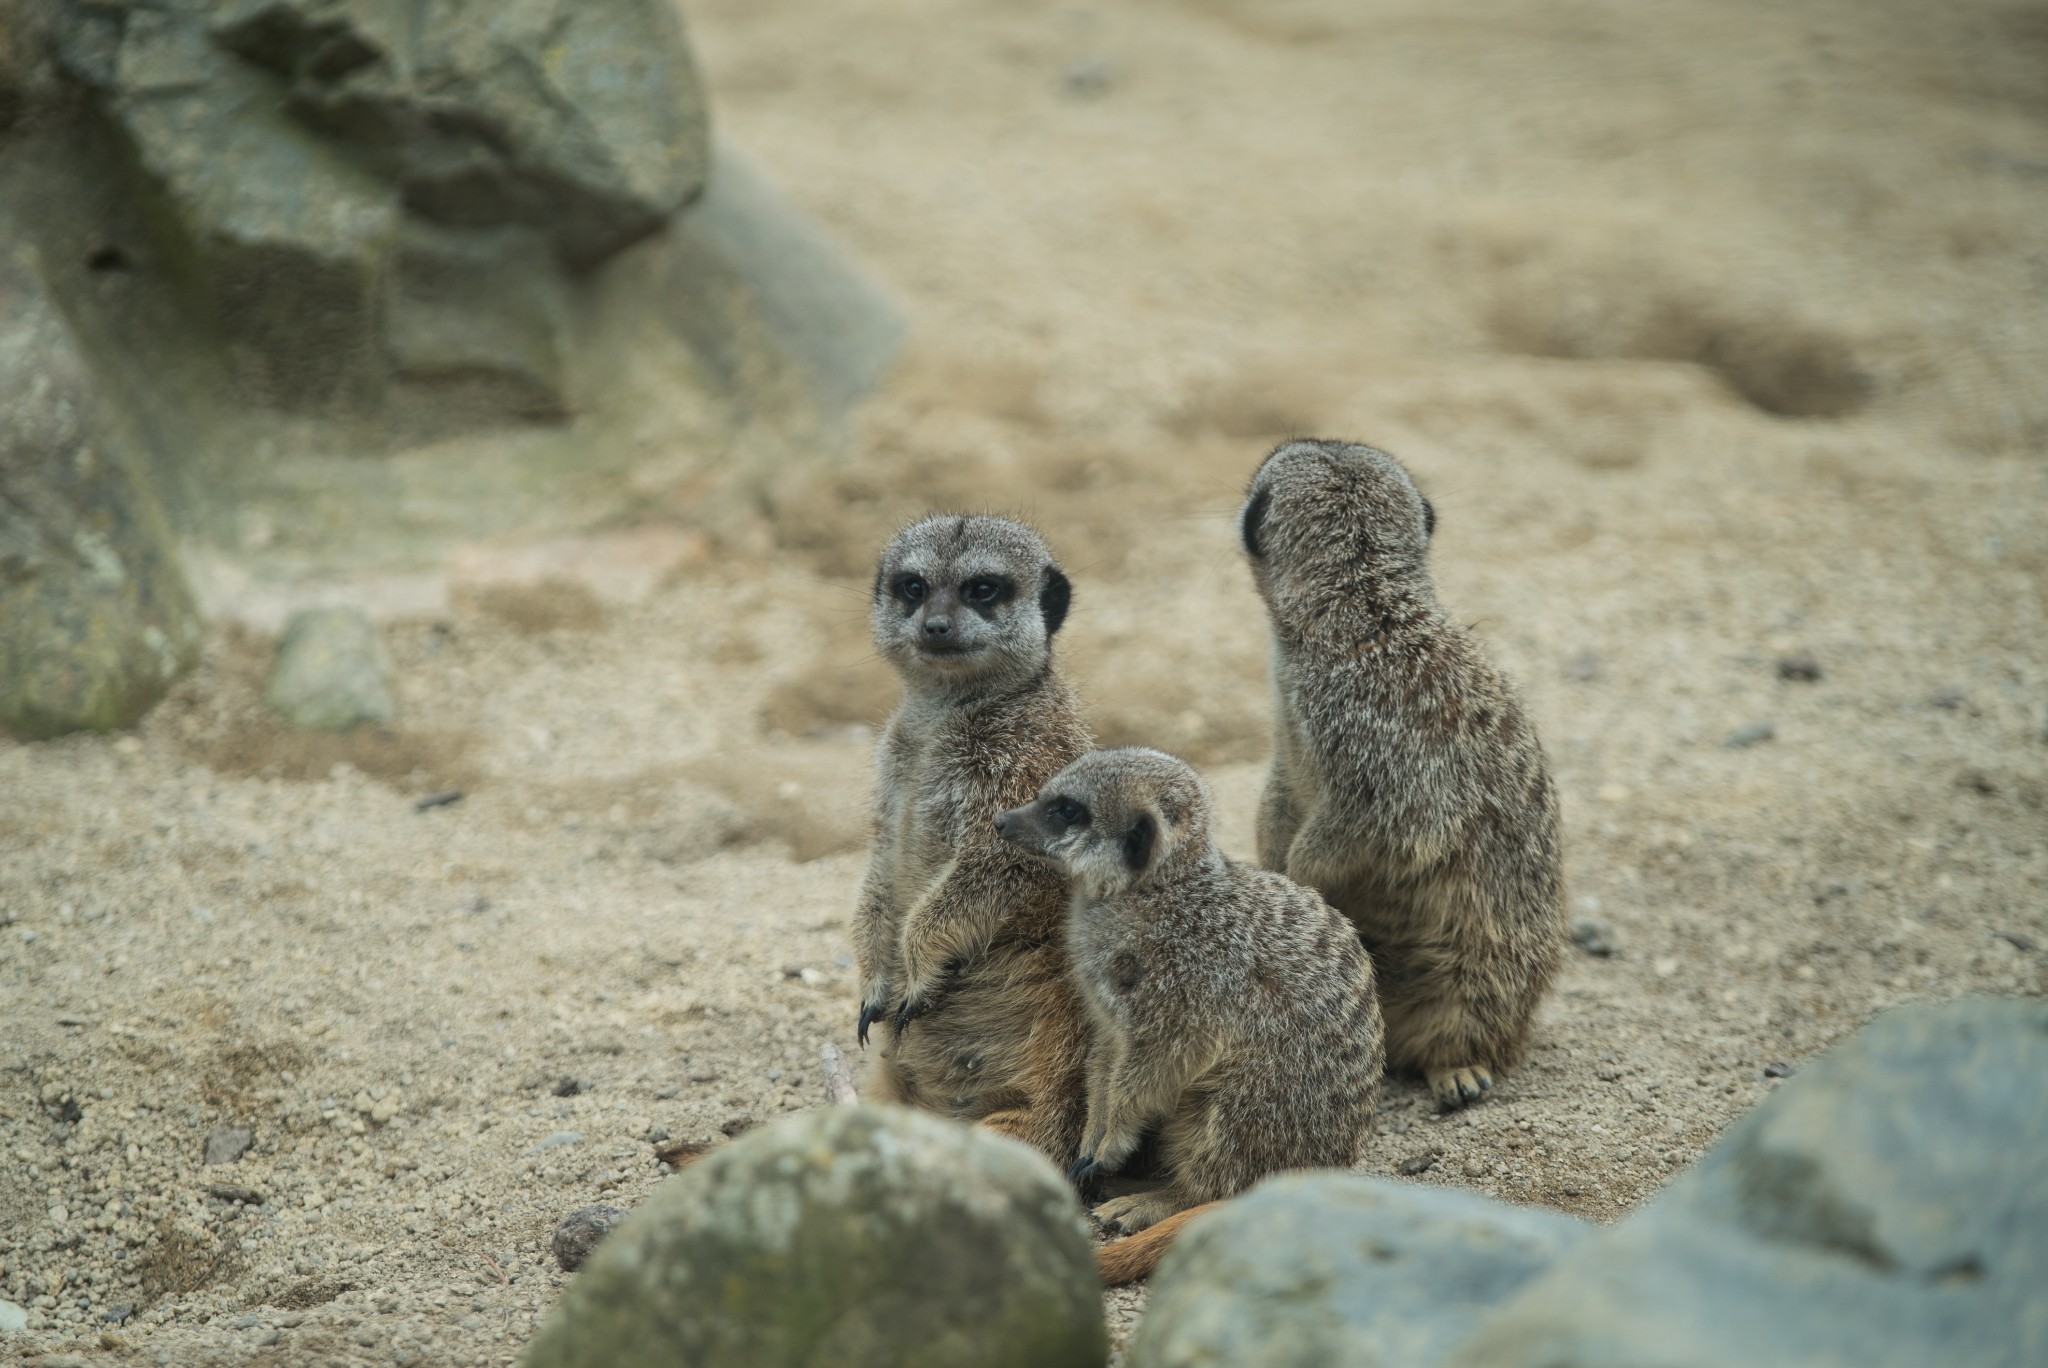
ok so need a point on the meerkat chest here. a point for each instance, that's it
(926, 814)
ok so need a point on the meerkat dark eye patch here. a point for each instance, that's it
(1065, 812)
(1054, 594)
(1428, 518)
(1138, 843)
(908, 589)
(984, 592)
(1254, 515)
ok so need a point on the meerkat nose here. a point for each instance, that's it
(937, 627)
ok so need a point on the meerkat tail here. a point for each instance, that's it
(1125, 1261)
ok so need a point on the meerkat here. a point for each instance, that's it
(1407, 785)
(1231, 1010)
(957, 937)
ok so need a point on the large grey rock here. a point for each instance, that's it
(847, 1236)
(358, 194)
(1889, 1206)
(1312, 1269)
(96, 619)
(331, 672)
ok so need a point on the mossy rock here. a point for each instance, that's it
(846, 1236)
(96, 620)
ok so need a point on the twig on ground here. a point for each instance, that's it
(838, 1076)
(498, 1268)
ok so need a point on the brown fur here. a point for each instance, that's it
(1407, 785)
(1231, 1010)
(1122, 1262)
(958, 937)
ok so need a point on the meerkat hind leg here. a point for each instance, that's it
(1131, 1214)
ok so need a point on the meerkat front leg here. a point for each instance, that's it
(1132, 1213)
(874, 947)
(953, 922)
(1279, 820)
(1143, 1084)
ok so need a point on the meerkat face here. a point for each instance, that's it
(1314, 506)
(1113, 819)
(962, 598)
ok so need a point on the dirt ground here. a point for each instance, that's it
(1715, 331)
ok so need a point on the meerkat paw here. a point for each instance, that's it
(1455, 1088)
(1129, 1215)
(874, 1005)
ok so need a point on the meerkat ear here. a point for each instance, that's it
(1055, 592)
(1428, 518)
(1254, 514)
(1138, 843)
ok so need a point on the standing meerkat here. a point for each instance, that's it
(958, 935)
(1231, 1009)
(1407, 785)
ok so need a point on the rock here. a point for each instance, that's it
(1750, 735)
(226, 1144)
(1595, 937)
(1416, 1164)
(12, 1318)
(118, 1313)
(557, 1141)
(96, 620)
(331, 672)
(1328, 1268)
(1799, 665)
(1582, 668)
(849, 1235)
(1887, 1206)
(579, 1233)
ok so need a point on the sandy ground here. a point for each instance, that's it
(1715, 331)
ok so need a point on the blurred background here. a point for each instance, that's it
(583, 355)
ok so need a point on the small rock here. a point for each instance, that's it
(1342, 1269)
(1799, 665)
(226, 1144)
(1948, 700)
(566, 1086)
(1750, 735)
(1595, 937)
(792, 971)
(1778, 1069)
(1088, 77)
(1475, 1167)
(1664, 966)
(12, 1318)
(579, 1233)
(1582, 668)
(445, 798)
(901, 1236)
(2019, 941)
(1417, 1164)
(117, 1313)
(556, 1141)
(331, 672)
(737, 1123)
(234, 1192)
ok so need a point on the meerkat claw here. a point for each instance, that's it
(1455, 1088)
(911, 1009)
(870, 1013)
(1082, 1171)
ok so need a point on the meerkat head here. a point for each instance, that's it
(1115, 819)
(968, 600)
(1330, 512)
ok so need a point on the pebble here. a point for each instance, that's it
(579, 1233)
(1417, 1164)
(331, 672)
(1778, 1069)
(117, 1313)
(737, 1122)
(567, 1087)
(1799, 665)
(1750, 735)
(226, 1144)
(1595, 937)
(557, 1140)
(12, 1318)
(1582, 668)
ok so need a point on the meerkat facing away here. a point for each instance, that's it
(1407, 785)
(958, 935)
(1231, 1009)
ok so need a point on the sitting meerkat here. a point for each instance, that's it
(1232, 1009)
(1407, 786)
(957, 936)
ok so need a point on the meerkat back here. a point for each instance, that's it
(1407, 785)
